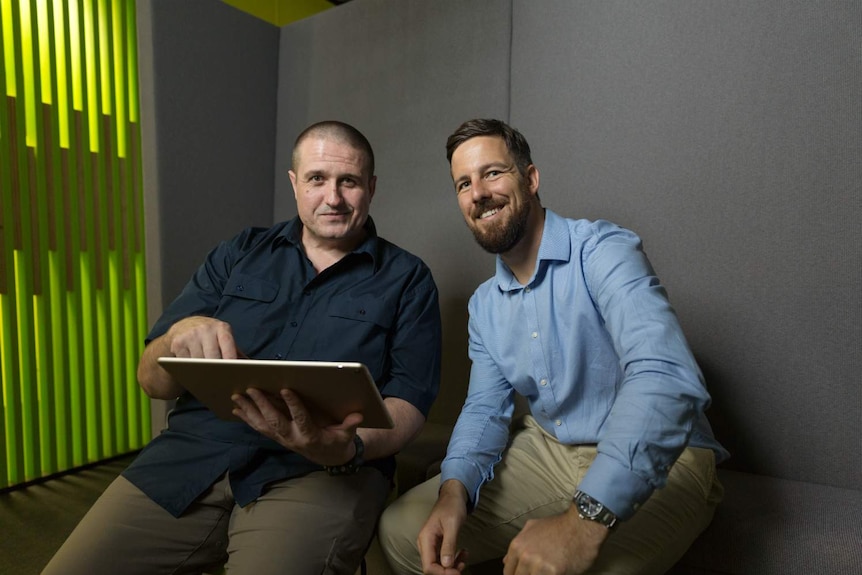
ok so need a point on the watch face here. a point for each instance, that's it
(589, 506)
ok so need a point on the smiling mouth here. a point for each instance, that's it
(488, 213)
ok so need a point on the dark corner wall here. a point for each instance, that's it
(727, 134)
(208, 106)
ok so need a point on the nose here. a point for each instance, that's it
(478, 189)
(333, 195)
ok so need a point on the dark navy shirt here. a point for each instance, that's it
(378, 306)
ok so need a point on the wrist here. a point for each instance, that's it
(593, 510)
(353, 464)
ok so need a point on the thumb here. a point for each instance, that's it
(448, 549)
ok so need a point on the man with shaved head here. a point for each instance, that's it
(272, 493)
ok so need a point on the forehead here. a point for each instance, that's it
(478, 152)
(330, 154)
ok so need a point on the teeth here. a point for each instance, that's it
(489, 213)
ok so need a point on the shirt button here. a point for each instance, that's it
(558, 422)
(239, 288)
(293, 324)
(543, 383)
(534, 335)
(528, 290)
(362, 312)
(307, 292)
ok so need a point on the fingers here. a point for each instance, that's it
(262, 414)
(202, 337)
(437, 547)
(308, 422)
(301, 416)
(448, 550)
(427, 543)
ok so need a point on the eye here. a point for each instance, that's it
(461, 186)
(491, 174)
(317, 178)
(348, 182)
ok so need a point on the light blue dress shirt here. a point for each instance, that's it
(595, 347)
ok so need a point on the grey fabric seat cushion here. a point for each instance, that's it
(770, 526)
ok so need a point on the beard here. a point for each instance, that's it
(503, 236)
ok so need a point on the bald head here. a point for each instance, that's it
(337, 132)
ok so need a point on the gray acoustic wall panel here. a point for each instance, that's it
(406, 74)
(208, 92)
(728, 134)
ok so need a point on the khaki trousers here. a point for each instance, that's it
(316, 524)
(537, 478)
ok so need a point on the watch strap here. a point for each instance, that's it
(354, 464)
(593, 510)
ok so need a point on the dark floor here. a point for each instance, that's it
(35, 520)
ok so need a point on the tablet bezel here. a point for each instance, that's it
(334, 388)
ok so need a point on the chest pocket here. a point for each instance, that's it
(367, 309)
(249, 287)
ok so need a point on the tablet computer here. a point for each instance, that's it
(330, 389)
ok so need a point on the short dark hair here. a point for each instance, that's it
(338, 131)
(515, 141)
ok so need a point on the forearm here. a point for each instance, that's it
(155, 381)
(408, 422)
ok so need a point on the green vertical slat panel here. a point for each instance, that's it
(40, 189)
(78, 317)
(110, 327)
(117, 222)
(27, 259)
(6, 318)
(72, 286)
(140, 282)
(132, 393)
(139, 403)
(50, 344)
(102, 256)
(17, 138)
(68, 431)
(56, 425)
(91, 264)
(114, 432)
(132, 327)
(82, 409)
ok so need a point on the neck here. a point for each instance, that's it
(521, 259)
(323, 253)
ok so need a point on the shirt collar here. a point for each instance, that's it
(556, 245)
(291, 233)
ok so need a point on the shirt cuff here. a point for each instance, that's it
(616, 487)
(467, 473)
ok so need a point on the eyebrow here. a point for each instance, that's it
(485, 167)
(341, 176)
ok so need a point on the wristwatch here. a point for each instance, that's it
(589, 508)
(354, 464)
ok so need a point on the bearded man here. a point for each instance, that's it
(613, 469)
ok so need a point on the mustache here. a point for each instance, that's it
(329, 212)
(485, 205)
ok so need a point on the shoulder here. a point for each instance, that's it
(390, 254)
(590, 234)
(252, 237)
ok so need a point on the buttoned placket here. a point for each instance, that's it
(537, 355)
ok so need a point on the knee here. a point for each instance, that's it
(397, 532)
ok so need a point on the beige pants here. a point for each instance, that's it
(314, 524)
(537, 478)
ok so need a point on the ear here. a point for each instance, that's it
(533, 179)
(292, 175)
(372, 186)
